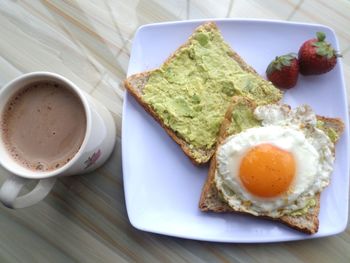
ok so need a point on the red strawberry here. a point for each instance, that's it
(316, 56)
(283, 71)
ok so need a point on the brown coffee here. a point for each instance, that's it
(43, 125)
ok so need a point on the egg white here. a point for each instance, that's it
(294, 131)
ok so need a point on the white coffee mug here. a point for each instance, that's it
(96, 147)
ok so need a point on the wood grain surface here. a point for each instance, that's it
(84, 218)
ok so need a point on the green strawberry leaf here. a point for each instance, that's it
(285, 62)
(322, 52)
(330, 55)
(269, 69)
(279, 62)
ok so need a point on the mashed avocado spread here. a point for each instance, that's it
(242, 118)
(331, 133)
(192, 90)
(311, 203)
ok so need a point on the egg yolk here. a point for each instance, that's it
(267, 171)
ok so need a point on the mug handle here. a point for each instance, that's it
(12, 186)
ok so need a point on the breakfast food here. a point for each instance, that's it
(316, 56)
(272, 162)
(190, 92)
(283, 71)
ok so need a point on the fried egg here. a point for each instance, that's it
(277, 168)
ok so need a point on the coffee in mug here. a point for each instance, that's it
(43, 125)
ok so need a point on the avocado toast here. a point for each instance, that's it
(240, 117)
(190, 92)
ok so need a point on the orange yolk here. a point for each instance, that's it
(267, 171)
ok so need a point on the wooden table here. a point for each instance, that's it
(84, 219)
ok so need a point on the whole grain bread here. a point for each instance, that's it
(135, 84)
(210, 198)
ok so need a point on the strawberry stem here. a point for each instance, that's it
(320, 36)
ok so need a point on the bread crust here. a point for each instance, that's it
(211, 201)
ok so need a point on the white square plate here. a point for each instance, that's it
(162, 187)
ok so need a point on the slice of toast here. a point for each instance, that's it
(210, 198)
(137, 83)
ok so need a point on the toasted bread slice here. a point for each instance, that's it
(136, 84)
(210, 199)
